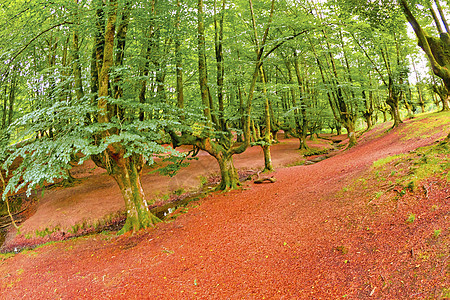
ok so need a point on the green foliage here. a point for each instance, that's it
(437, 233)
(411, 218)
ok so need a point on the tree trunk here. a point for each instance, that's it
(126, 172)
(393, 104)
(267, 131)
(350, 126)
(368, 118)
(202, 71)
(338, 128)
(230, 177)
(268, 166)
(304, 127)
(445, 102)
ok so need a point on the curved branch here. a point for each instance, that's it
(423, 41)
(31, 41)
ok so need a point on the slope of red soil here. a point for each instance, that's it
(301, 237)
(97, 197)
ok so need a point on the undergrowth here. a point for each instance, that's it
(423, 129)
(412, 168)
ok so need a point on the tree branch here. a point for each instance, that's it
(29, 43)
(282, 42)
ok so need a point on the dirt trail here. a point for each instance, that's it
(271, 241)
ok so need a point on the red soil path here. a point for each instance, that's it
(301, 237)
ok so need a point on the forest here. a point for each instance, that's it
(116, 81)
(136, 85)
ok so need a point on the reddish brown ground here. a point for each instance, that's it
(316, 233)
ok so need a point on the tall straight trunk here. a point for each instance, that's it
(336, 114)
(369, 110)
(408, 105)
(267, 139)
(298, 126)
(218, 36)
(5, 107)
(348, 119)
(179, 61)
(76, 67)
(202, 72)
(146, 53)
(442, 14)
(12, 98)
(304, 127)
(419, 90)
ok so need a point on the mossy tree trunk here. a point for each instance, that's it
(437, 50)
(392, 101)
(301, 85)
(228, 172)
(126, 172)
(125, 168)
(267, 139)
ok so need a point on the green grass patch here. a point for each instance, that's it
(5, 256)
(411, 218)
(420, 164)
(314, 151)
(384, 161)
(425, 129)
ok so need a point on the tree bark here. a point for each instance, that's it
(304, 127)
(126, 172)
(202, 71)
(267, 139)
(228, 172)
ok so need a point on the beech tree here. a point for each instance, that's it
(105, 125)
(436, 49)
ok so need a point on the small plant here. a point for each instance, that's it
(437, 233)
(446, 293)
(179, 191)
(203, 180)
(411, 218)
(410, 186)
(386, 160)
(75, 228)
(378, 194)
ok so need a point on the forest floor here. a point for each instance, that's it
(363, 223)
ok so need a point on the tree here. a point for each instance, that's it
(436, 49)
(105, 125)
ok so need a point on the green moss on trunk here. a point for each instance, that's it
(230, 177)
(127, 176)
